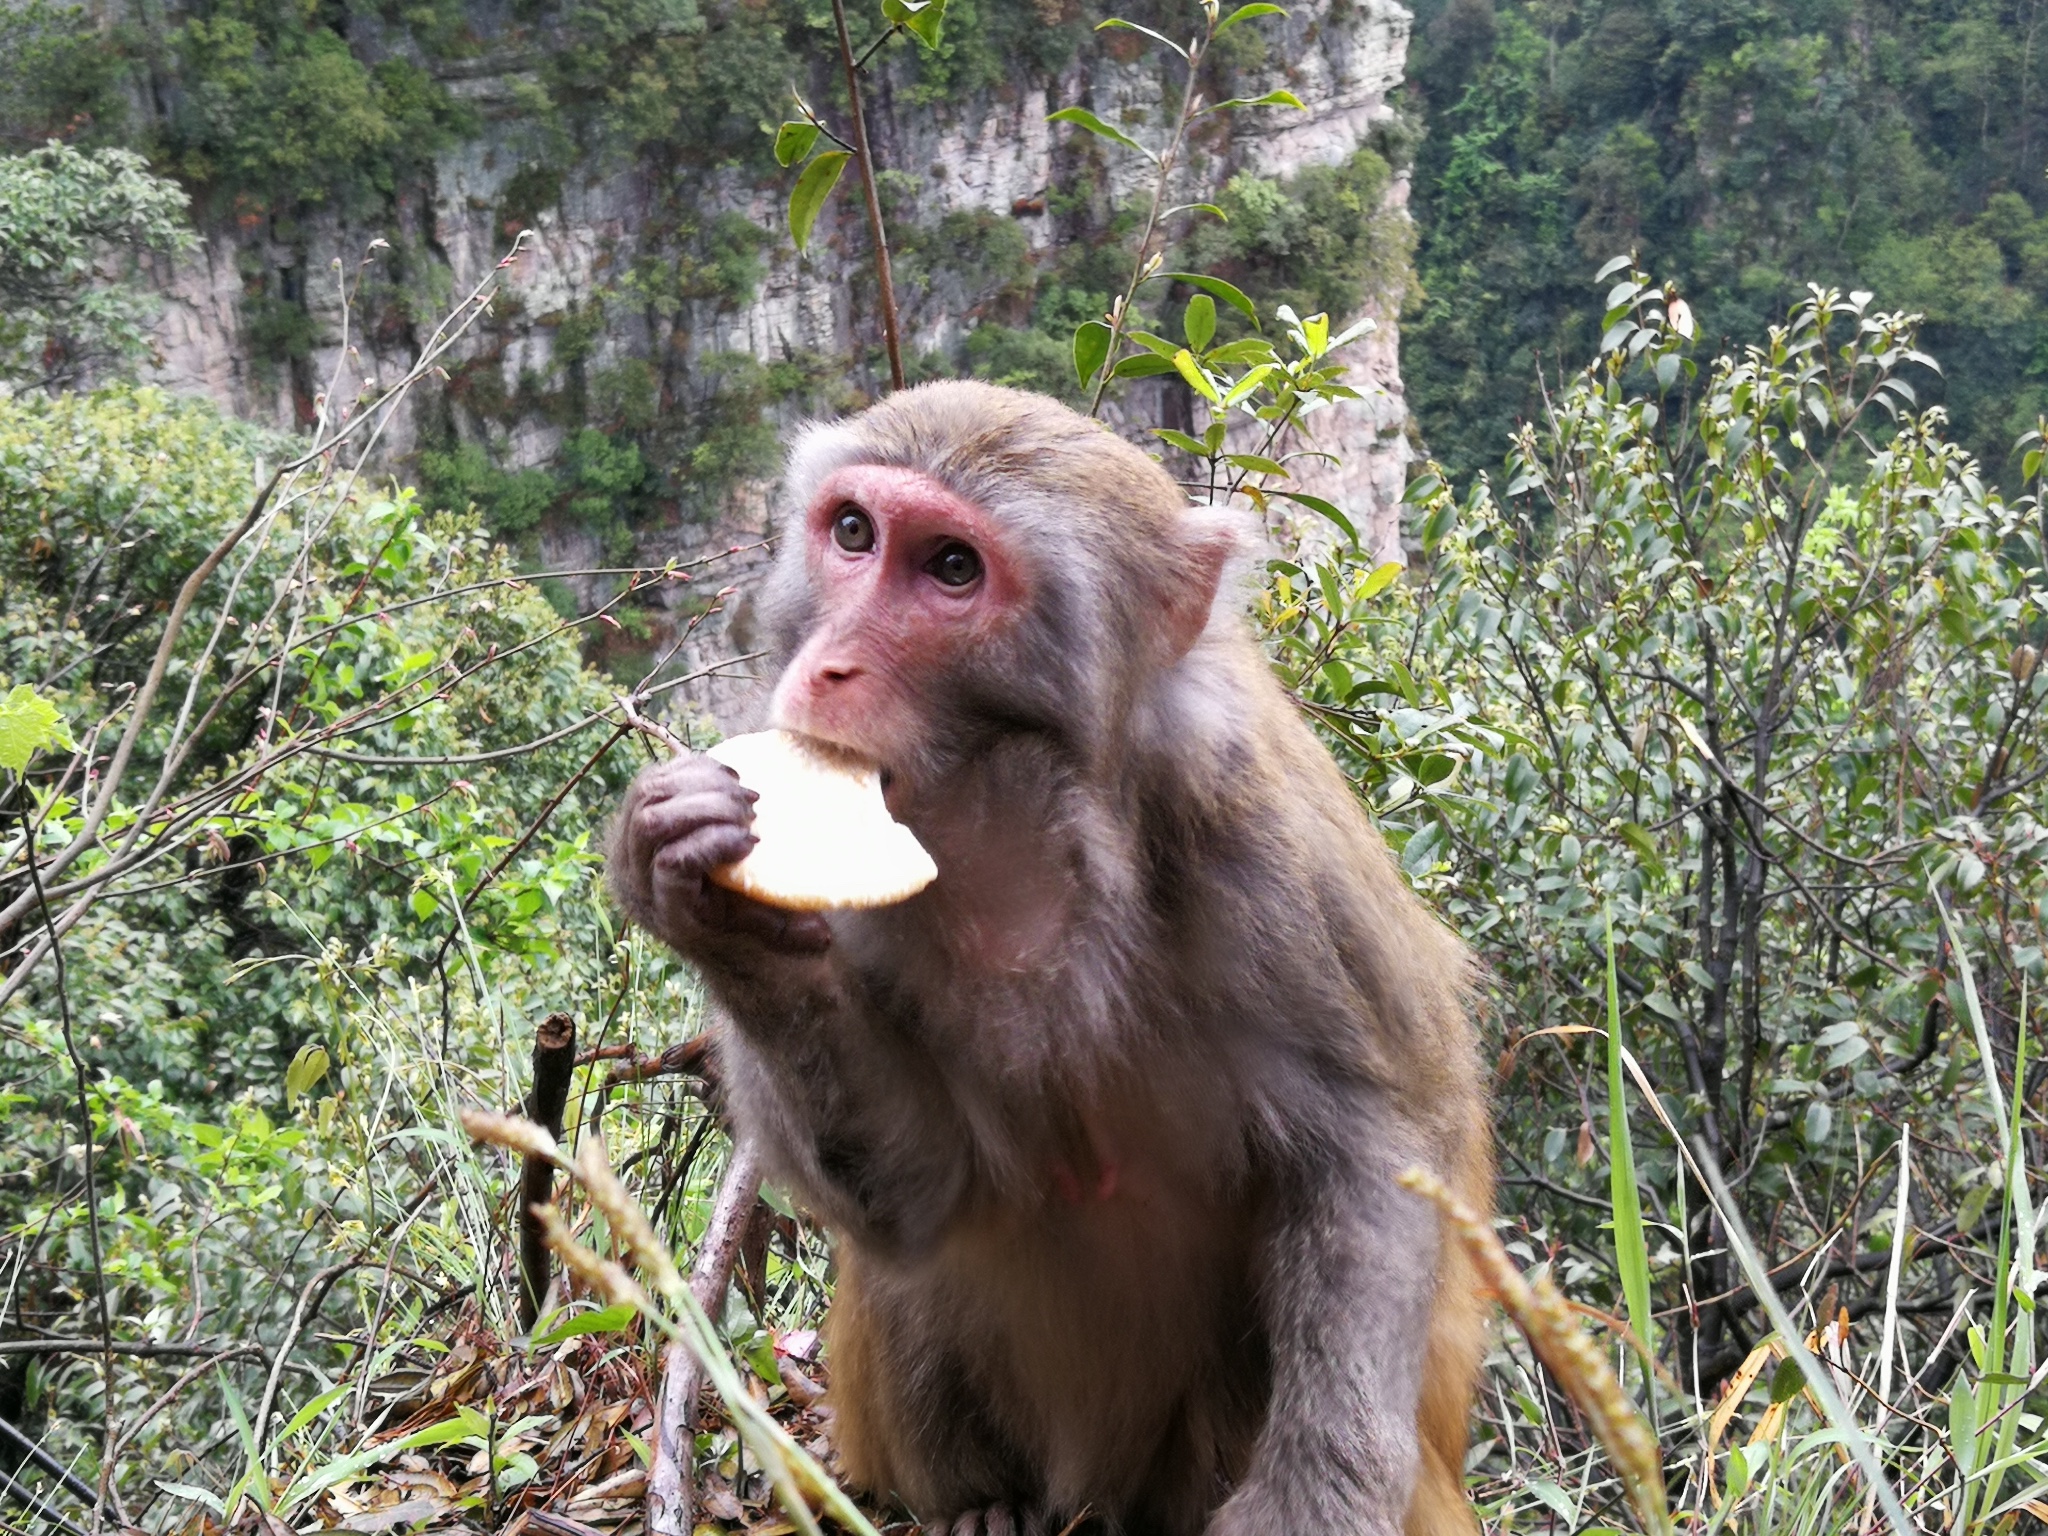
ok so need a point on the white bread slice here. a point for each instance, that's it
(827, 838)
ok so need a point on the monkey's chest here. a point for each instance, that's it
(1111, 1331)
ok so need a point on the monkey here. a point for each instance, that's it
(1105, 1123)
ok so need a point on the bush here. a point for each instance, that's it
(341, 884)
(1739, 666)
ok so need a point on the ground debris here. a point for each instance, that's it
(568, 1428)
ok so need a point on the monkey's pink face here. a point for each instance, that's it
(908, 578)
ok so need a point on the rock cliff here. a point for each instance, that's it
(667, 296)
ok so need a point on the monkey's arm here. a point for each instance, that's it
(1346, 1278)
(849, 1114)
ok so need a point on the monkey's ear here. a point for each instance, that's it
(1208, 538)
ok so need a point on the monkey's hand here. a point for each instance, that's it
(682, 819)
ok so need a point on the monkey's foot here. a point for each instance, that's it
(996, 1520)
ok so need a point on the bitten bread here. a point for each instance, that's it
(827, 838)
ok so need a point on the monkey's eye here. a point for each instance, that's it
(955, 565)
(853, 531)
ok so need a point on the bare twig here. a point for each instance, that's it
(1141, 259)
(90, 1148)
(670, 1498)
(149, 1350)
(309, 1302)
(629, 710)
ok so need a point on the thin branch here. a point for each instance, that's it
(89, 1153)
(309, 1303)
(885, 285)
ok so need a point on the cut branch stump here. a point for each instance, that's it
(554, 1063)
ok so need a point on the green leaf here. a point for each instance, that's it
(1246, 13)
(812, 188)
(315, 1408)
(1786, 1381)
(1143, 365)
(1258, 464)
(1199, 323)
(1248, 349)
(1198, 381)
(1270, 99)
(1382, 577)
(1216, 288)
(305, 1072)
(1645, 847)
(1420, 853)
(28, 723)
(1117, 23)
(921, 18)
(1555, 1499)
(1081, 117)
(1818, 1121)
(1322, 508)
(1182, 441)
(1251, 381)
(608, 1320)
(1091, 349)
(794, 140)
(196, 1496)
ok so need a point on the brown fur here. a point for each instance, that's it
(1104, 1123)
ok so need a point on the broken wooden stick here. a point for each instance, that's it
(671, 1496)
(554, 1063)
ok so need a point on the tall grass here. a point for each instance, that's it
(1812, 1436)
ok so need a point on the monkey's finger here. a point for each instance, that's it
(791, 933)
(666, 821)
(696, 853)
(684, 776)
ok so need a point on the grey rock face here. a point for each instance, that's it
(994, 153)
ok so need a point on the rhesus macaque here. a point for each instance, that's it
(1105, 1123)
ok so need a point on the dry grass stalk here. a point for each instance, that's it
(605, 1277)
(513, 1132)
(1566, 1350)
(629, 1223)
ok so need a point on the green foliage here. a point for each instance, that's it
(61, 80)
(358, 896)
(1322, 242)
(986, 42)
(72, 226)
(279, 107)
(1746, 155)
(512, 501)
(1741, 659)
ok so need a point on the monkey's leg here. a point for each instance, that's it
(1347, 1271)
(908, 1416)
(1456, 1344)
